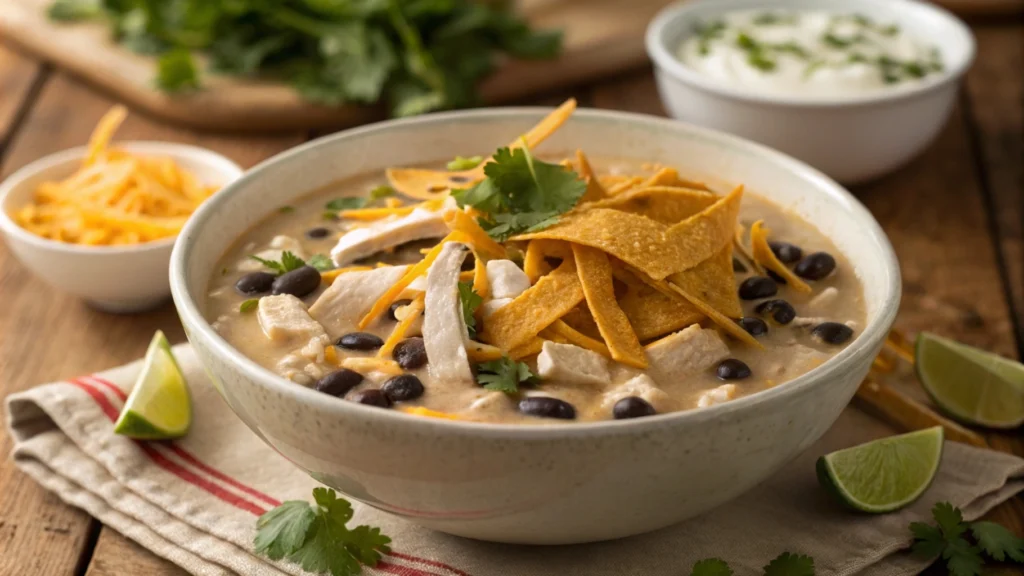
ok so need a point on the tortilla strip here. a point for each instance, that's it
(479, 352)
(764, 256)
(595, 274)
(531, 348)
(703, 234)
(670, 177)
(483, 244)
(481, 285)
(535, 309)
(581, 320)
(747, 257)
(665, 204)
(653, 314)
(714, 282)
(624, 185)
(534, 264)
(430, 184)
(595, 191)
(562, 330)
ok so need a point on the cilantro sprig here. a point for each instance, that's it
(785, 564)
(504, 375)
(521, 193)
(949, 540)
(470, 301)
(316, 537)
(290, 261)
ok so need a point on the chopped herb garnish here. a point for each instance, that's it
(949, 541)
(74, 10)
(706, 33)
(286, 209)
(464, 163)
(321, 262)
(756, 52)
(176, 72)
(504, 375)
(743, 40)
(837, 41)
(382, 191)
(288, 262)
(317, 538)
(328, 215)
(470, 302)
(775, 18)
(248, 305)
(521, 194)
(785, 564)
(792, 48)
(347, 203)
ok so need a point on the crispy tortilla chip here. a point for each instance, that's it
(670, 177)
(764, 256)
(595, 191)
(653, 314)
(595, 274)
(535, 264)
(479, 352)
(565, 332)
(538, 307)
(531, 348)
(481, 285)
(703, 234)
(483, 244)
(430, 184)
(745, 254)
(714, 282)
(624, 185)
(665, 204)
(581, 320)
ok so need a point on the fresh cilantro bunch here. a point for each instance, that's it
(949, 540)
(504, 375)
(470, 301)
(785, 564)
(316, 538)
(521, 193)
(416, 55)
(290, 261)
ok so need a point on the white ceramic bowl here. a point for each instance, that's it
(852, 140)
(112, 278)
(542, 484)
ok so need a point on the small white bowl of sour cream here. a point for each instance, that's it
(119, 279)
(856, 88)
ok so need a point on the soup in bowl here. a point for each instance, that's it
(609, 304)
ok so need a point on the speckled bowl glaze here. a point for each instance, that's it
(537, 484)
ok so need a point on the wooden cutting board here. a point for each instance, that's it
(602, 38)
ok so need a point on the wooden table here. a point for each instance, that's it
(954, 215)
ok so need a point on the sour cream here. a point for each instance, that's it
(808, 53)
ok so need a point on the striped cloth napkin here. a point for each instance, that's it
(195, 501)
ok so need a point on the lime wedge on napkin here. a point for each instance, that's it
(973, 386)
(886, 474)
(159, 406)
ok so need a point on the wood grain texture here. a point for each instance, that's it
(17, 75)
(116, 555)
(602, 37)
(48, 335)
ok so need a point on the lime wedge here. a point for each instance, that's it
(159, 406)
(883, 475)
(973, 386)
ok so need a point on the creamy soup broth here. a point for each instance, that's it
(789, 350)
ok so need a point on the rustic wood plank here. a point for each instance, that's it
(995, 89)
(18, 74)
(58, 336)
(116, 555)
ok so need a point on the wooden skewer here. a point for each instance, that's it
(905, 412)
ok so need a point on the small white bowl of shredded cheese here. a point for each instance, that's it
(856, 88)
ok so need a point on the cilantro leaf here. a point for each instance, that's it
(464, 163)
(998, 542)
(282, 530)
(382, 191)
(787, 564)
(470, 302)
(504, 375)
(288, 262)
(347, 203)
(321, 262)
(315, 536)
(962, 559)
(711, 567)
(248, 305)
(74, 10)
(928, 540)
(175, 71)
(521, 194)
(949, 519)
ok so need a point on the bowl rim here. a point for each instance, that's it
(656, 44)
(9, 227)
(861, 349)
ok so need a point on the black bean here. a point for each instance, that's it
(738, 266)
(780, 311)
(370, 397)
(316, 233)
(298, 282)
(410, 353)
(255, 283)
(816, 266)
(786, 253)
(547, 407)
(395, 306)
(758, 287)
(732, 369)
(774, 276)
(360, 341)
(401, 388)
(339, 382)
(754, 326)
(832, 332)
(458, 179)
(469, 263)
(632, 407)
